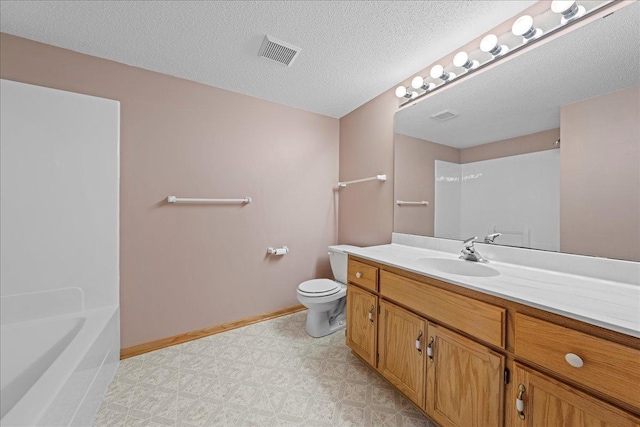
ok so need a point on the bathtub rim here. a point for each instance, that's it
(35, 402)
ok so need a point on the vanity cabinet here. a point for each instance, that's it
(542, 401)
(465, 385)
(362, 313)
(362, 275)
(402, 350)
(601, 365)
(483, 321)
(462, 355)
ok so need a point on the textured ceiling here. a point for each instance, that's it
(524, 95)
(351, 50)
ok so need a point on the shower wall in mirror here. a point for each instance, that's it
(543, 148)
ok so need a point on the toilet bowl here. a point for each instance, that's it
(326, 299)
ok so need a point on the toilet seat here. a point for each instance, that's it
(318, 288)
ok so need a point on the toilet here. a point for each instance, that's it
(326, 299)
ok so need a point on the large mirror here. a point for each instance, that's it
(543, 148)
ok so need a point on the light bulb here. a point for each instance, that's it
(462, 60)
(401, 91)
(568, 8)
(436, 71)
(490, 45)
(562, 6)
(418, 83)
(524, 27)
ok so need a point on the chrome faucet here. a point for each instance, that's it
(489, 238)
(469, 252)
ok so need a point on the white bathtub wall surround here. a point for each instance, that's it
(447, 215)
(605, 302)
(59, 290)
(59, 191)
(518, 196)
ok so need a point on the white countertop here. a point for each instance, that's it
(609, 304)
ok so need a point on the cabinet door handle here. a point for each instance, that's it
(520, 402)
(371, 314)
(419, 343)
(430, 349)
(574, 360)
(358, 275)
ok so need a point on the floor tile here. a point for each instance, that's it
(269, 374)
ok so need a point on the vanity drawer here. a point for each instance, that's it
(608, 367)
(363, 275)
(476, 318)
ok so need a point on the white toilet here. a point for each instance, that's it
(326, 299)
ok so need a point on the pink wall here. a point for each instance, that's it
(531, 143)
(186, 267)
(600, 162)
(415, 181)
(366, 150)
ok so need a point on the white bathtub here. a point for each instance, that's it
(55, 371)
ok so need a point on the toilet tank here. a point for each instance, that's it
(338, 259)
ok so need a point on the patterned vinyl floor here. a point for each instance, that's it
(267, 374)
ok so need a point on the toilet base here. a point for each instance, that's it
(319, 325)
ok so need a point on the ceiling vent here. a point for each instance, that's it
(444, 115)
(278, 51)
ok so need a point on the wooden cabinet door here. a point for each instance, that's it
(465, 381)
(402, 350)
(547, 402)
(362, 313)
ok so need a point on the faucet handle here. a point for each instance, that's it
(469, 242)
(491, 237)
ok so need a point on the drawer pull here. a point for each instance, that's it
(520, 402)
(430, 349)
(371, 314)
(419, 343)
(574, 360)
(358, 275)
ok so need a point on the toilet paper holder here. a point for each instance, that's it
(278, 251)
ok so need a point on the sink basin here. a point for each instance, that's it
(457, 266)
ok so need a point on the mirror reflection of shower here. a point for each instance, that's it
(517, 196)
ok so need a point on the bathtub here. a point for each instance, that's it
(54, 371)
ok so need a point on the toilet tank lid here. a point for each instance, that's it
(342, 248)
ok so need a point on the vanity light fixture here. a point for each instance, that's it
(462, 60)
(524, 27)
(418, 83)
(569, 10)
(490, 45)
(437, 72)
